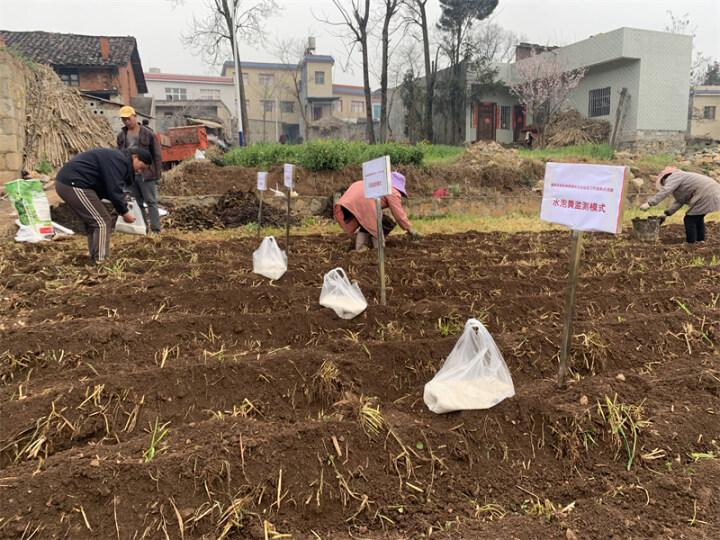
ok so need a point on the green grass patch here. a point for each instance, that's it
(326, 155)
(600, 152)
(440, 154)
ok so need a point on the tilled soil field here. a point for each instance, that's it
(175, 394)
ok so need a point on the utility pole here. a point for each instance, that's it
(236, 56)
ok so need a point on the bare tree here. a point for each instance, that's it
(355, 17)
(700, 63)
(214, 34)
(292, 51)
(405, 63)
(391, 8)
(490, 41)
(416, 14)
(543, 84)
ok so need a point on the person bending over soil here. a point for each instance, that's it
(98, 174)
(701, 193)
(357, 216)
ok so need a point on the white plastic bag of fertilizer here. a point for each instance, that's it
(344, 298)
(31, 204)
(138, 226)
(474, 375)
(269, 260)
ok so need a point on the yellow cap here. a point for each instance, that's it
(126, 111)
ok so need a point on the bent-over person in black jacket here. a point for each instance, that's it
(98, 174)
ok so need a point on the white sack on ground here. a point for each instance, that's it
(269, 260)
(344, 298)
(474, 375)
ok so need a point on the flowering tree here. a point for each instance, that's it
(543, 84)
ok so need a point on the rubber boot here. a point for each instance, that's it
(361, 241)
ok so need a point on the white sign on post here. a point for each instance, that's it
(584, 197)
(288, 175)
(262, 181)
(376, 178)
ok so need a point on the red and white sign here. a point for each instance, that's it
(584, 197)
(376, 178)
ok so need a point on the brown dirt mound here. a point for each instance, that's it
(233, 209)
(261, 393)
(477, 171)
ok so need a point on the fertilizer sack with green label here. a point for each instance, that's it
(474, 375)
(30, 201)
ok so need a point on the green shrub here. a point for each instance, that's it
(325, 155)
(261, 155)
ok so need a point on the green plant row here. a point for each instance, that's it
(323, 155)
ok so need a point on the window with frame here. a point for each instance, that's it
(357, 107)
(175, 94)
(71, 77)
(267, 105)
(209, 93)
(319, 77)
(287, 106)
(709, 113)
(337, 106)
(599, 102)
(505, 117)
(266, 79)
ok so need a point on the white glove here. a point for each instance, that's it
(645, 206)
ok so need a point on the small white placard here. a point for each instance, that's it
(584, 197)
(376, 178)
(262, 181)
(288, 171)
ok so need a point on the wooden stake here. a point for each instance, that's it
(381, 251)
(260, 214)
(287, 223)
(575, 250)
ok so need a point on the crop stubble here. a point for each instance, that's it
(176, 393)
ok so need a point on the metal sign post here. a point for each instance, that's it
(575, 250)
(376, 185)
(288, 170)
(261, 185)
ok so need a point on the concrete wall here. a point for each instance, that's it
(12, 116)
(502, 98)
(705, 96)
(318, 90)
(617, 75)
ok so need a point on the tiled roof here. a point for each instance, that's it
(187, 78)
(77, 50)
(229, 64)
(348, 89)
(70, 49)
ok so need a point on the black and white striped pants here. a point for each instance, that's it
(90, 209)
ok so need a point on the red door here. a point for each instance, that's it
(486, 121)
(518, 122)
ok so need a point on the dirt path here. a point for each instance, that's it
(263, 392)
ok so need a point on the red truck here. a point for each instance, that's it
(180, 143)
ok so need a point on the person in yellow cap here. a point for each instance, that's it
(144, 187)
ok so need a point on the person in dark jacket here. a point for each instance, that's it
(99, 174)
(144, 186)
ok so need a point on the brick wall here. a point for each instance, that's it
(12, 114)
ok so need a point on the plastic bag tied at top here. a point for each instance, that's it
(269, 260)
(474, 375)
(343, 297)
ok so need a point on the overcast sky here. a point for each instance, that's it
(158, 24)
